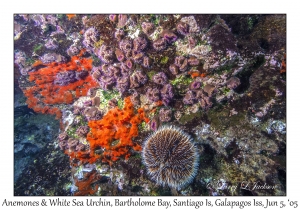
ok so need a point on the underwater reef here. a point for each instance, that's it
(149, 105)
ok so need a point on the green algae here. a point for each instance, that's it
(37, 48)
(150, 74)
(181, 80)
(221, 120)
(106, 96)
(164, 60)
(186, 118)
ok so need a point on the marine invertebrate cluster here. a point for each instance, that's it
(113, 133)
(85, 185)
(58, 83)
(171, 157)
(91, 36)
(172, 68)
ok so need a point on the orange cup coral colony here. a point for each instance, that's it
(113, 133)
(45, 93)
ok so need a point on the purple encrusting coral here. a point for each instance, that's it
(91, 36)
(92, 113)
(160, 78)
(193, 61)
(82, 131)
(106, 54)
(122, 84)
(120, 55)
(165, 115)
(73, 50)
(160, 44)
(169, 36)
(153, 94)
(119, 34)
(189, 97)
(181, 62)
(146, 62)
(182, 28)
(137, 79)
(139, 44)
(51, 44)
(148, 28)
(174, 69)
(106, 82)
(195, 85)
(154, 124)
(167, 94)
(125, 45)
(113, 17)
(65, 78)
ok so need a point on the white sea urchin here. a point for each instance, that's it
(171, 157)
